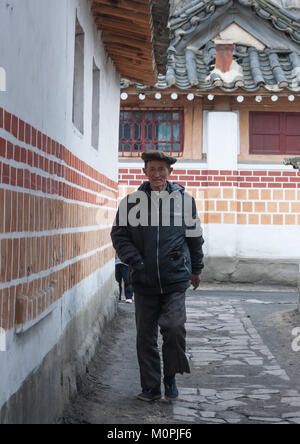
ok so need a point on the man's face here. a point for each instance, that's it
(157, 172)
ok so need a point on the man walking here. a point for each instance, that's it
(161, 241)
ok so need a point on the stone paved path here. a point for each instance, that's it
(241, 381)
(235, 377)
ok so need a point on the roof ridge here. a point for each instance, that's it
(281, 18)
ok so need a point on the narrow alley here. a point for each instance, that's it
(243, 367)
(154, 142)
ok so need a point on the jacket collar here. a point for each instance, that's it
(170, 187)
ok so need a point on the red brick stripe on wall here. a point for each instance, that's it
(31, 136)
(45, 190)
(242, 198)
(23, 303)
(222, 178)
(27, 174)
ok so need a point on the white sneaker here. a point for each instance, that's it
(128, 301)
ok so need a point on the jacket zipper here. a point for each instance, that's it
(157, 249)
(157, 255)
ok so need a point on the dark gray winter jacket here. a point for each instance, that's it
(162, 257)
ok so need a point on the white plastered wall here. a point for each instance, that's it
(37, 53)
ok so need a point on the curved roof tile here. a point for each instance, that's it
(190, 67)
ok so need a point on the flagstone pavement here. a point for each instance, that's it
(243, 367)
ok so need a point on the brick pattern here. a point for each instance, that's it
(234, 197)
(220, 178)
(55, 217)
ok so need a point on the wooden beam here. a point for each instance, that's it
(130, 56)
(123, 28)
(122, 54)
(127, 5)
(141, 45)
(135, 17)
(143, 53)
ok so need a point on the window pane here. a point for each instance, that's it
(151, 129)
(176, 135)
(126, 132)
(167, 132)
(124, 147)
(137, 131)
(164, 147)
(148, 131)
(164, 131)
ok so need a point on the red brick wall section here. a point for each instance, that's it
(220, 178)
(55, 218)
(234, 197)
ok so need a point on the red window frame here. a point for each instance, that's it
(262, 140)
(149, 118)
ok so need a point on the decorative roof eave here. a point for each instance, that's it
(135, 36)
(217, 91)
(198, 11)
(250, 71)
(294, 161)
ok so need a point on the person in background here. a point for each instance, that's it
(121, 273)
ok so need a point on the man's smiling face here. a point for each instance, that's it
(157, 172)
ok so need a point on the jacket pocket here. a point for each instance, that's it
(178, 268)
(137, 276)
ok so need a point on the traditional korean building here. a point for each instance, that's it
(229, 109)
(61, 62)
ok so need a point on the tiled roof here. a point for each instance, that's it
(196, 11)
(192, 54)
(254, 69)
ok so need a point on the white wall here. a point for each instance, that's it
(252, 241)
(37, 53)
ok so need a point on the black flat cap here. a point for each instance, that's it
(158, 155)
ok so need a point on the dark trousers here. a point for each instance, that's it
(121, 273)
(167, 312)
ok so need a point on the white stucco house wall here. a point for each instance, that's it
(59, 117)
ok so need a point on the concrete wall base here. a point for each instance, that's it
(251, 270)
(46, 391)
